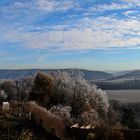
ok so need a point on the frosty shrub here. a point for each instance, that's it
(61, 89)
(102, 102)
(70, 96)
(90, 117)
(17, 89)
(63, 112)
(84, 99)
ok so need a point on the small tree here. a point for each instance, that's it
(22, 88)
(42, 88)
(61, 89)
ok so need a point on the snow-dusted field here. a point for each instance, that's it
(124, 95)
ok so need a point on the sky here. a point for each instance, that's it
(88, 34)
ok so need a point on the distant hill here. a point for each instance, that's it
(96, 75)
(132, 74)
(129, 75)
(119, 73)
(88, 75)
(129, 80)
(104, 80)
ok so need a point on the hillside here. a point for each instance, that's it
(96, 75)
(129, 80)
(130, 75)
(88, 75)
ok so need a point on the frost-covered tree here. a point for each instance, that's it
(76, 92)
(98, 100)
(90, 117)
(23, 87)
(17, 89)
(61, 89)
(70, 96)
(69, 90)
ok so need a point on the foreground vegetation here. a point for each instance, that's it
(26, 130)
(72, 99)
(62, 94)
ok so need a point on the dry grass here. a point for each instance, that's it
(44, 118)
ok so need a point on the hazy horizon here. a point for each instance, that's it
(94, 35)
(108, 71)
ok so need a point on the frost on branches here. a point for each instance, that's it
(71, 96)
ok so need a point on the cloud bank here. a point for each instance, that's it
(93, 29)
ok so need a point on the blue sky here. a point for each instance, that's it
(91, 34)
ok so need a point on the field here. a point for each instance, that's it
(131, 96)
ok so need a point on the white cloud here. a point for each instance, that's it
(35, 7)
(133, 2)
(112, 6)
(54, 5)
(102, 32)
(87, 33)
(130, 12)
(122, 5)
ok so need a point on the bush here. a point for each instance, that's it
(70, 96)
(63, 112)
(42, 88)
(81, 96)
